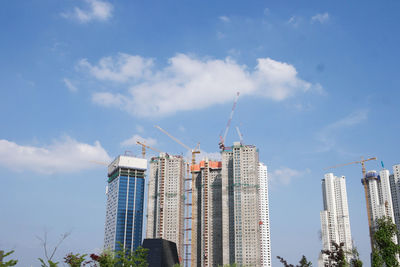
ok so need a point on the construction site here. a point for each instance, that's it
(212, 209)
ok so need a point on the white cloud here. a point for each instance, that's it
(285, 175)
(321, 18)
(97, 10)
(122, 68)
(225, 19)
(62, 156)
(132, 141)
(327, 136)
(188, 83)
(70, 85)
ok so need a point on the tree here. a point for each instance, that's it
(386, 251)
(355, 261)
(7, 263)
(336, 256)
(74, 260)
(49, 259)
(303, 262)
(122, 257)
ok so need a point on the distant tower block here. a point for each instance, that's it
(125, 196)
(207, 214)
(379, 196)
(265, 239)
(335, 222)
(165, 208)
(240, 205)
(395, 191)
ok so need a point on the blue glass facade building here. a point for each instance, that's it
(125, 200)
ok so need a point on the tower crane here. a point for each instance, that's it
(144, 146)
(221, 143)
(188, 190)
(194, 151)
(364, 182)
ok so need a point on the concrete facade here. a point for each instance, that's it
(165, 202)
(335, 222)
(207, 214)
(265, 239)
(395, 191)
(240, 205)
(379, 195)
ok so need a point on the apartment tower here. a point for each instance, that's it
(335, 222)
(125, 197)
(395, 191)
(379, 196)
(265, 241)
(207, 214)
(240, 205)
(165, 202)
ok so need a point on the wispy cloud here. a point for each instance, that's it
(286, 175)
(327, 136)
(122, 68)
(187, 80)
(62, 156)
(321, 18)
(96, 10)
(294, 21)
(225, 19)
(132, 141)
(71, 87)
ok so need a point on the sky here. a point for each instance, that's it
(82, 80)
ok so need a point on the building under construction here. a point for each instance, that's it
(207, 214)
(240, 205)
(165, 209)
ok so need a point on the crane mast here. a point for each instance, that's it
(188, 191)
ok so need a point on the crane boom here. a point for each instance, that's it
(364, 182)
(173, 138)
(240, 134)
(222, 138)
(144, 146)
(345, 164)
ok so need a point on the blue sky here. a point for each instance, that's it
(81, 80)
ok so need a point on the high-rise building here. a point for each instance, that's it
(125, 197)
(207, 214)
(240, 205)
(395, 191)
(165, 202)
(335, 222)
(265, 241)
(379, 196)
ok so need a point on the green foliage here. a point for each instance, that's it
(385, 251)
(336, 256)
(105, 259)
(122, 258)
(355, 261)
(74, 260)
(7, 263)
(303, 262)
(48, 264)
